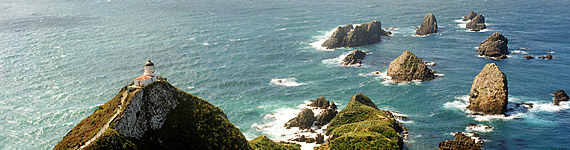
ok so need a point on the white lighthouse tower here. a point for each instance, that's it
(149, 76)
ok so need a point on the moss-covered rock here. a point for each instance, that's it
(264, 143)
(158, 116)
(362, 126)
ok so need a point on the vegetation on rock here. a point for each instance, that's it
(264, 143)
(408, 67)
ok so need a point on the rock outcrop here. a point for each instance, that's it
(461, 142)
(158, 116)
(469, 16)
(304, 119)
(546, 57)
(354, 58)
(559, 96)
(489, 92)
(362, 125)
(352, 36)
(264, 143)
(495, 46)
(477, 23)
(325, 116)
(429, 25)
(320, 102)
(408, 67)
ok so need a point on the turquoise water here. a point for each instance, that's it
(61, 59)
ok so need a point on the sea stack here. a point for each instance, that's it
(495, 46)
(408, 67)
(428, 26)
(354, 58)
(489, 92)
(469, 16)
(477, 23)
(559, 96)
(352, 36)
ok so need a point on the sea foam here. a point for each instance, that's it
(285, 82)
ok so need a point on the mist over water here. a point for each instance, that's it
(60, 60)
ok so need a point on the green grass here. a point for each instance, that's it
(264, 143)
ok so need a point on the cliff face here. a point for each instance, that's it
(362, 126)
(489, 92)
(158, 116)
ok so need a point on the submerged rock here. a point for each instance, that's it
(352, 36)
(528, 57)
(157, 116)
(559, 96)
(304, 119)
(461, 142)
(264, 143)
(495, 46)
(354, 58)
(469, 16)
(489, 92)
(428, 26)
(408, 67)
(546, 57)
(362, 126)
(477, 23)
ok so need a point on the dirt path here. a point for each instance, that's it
(123, 97)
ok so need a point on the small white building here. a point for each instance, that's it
(148, 77)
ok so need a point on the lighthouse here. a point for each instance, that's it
(149, 76)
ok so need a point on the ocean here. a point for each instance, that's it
(61, 59)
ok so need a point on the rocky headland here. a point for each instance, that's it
(428, 26)
(495, 46)
(408, 67)
(157, 116)
(354, 58)
(361, 125)
(353, 36)
(489, 92)
(477, 23)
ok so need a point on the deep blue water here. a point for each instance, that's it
(61, 59)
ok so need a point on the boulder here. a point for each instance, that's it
(469, 16)
(477, 23)
(495, 46)
(304, 120)
(320, 138)
(354, 58)
(461, 142)
(428, 26)
(546, 57)
(409, 67)
(489, 92)
(352, 36)
(528, 57)
(325, 117)
(560, 96)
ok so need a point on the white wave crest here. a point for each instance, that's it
(321, 39)
(479, 128)
(519, 52)
(285, 82)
